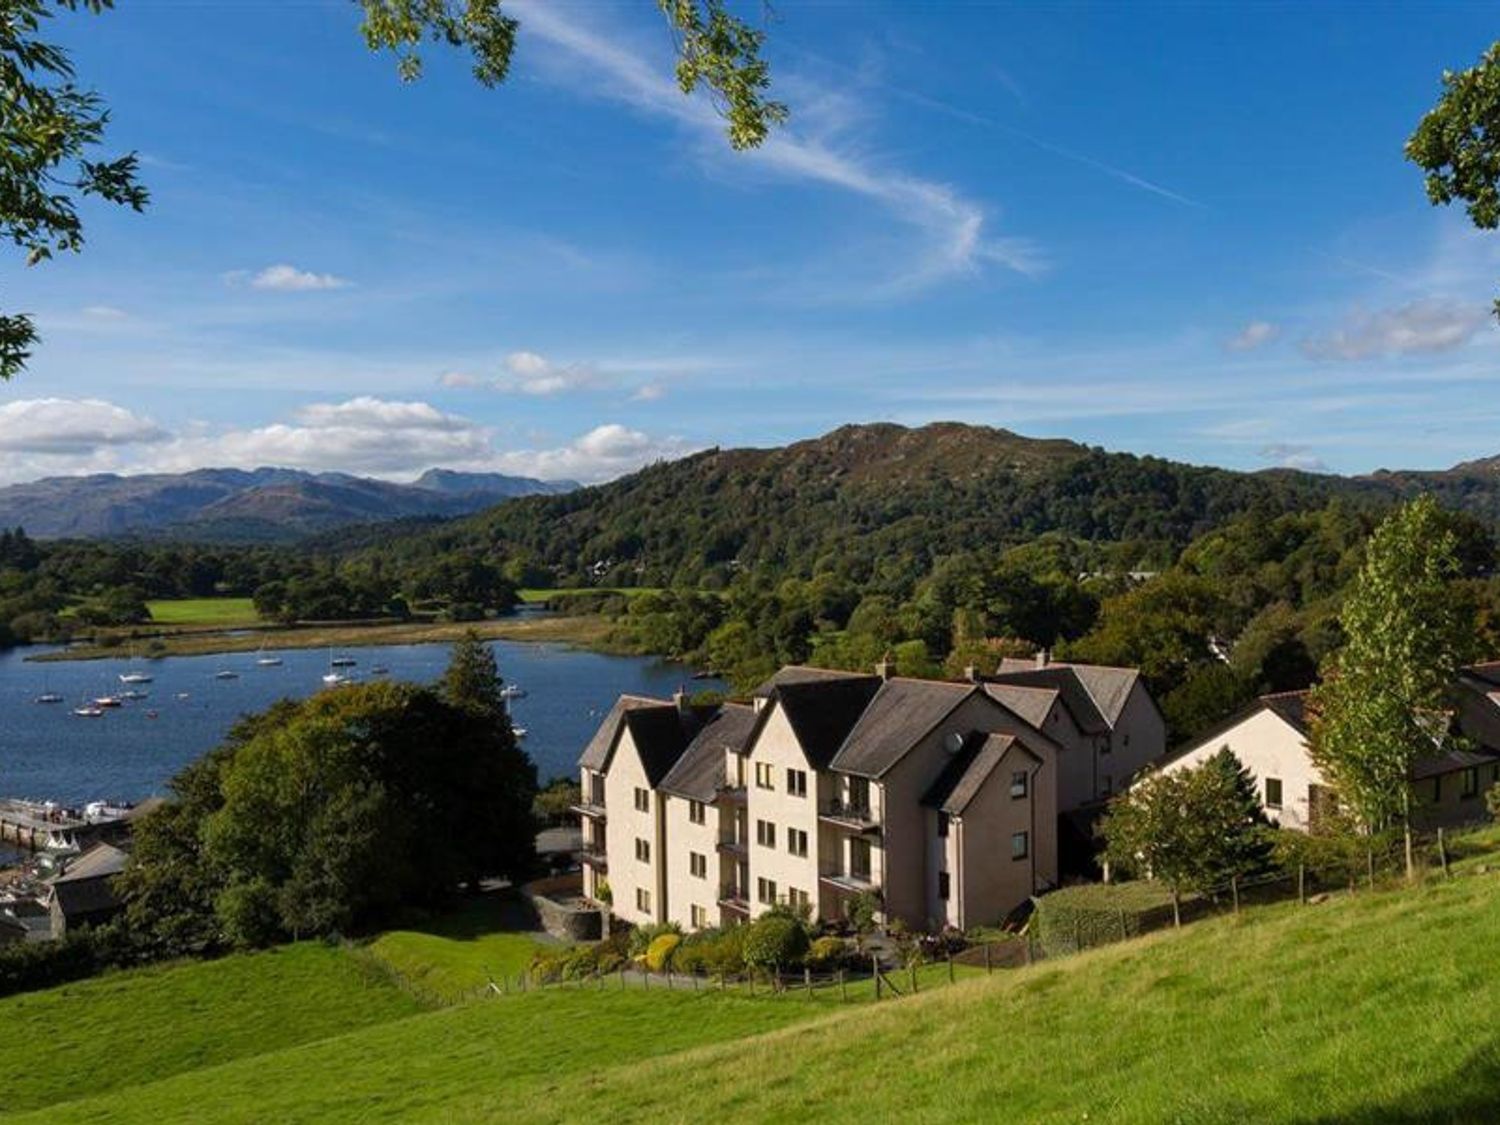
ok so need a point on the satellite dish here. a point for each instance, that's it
(953, 742)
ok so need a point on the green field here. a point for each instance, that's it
(532, 595)
(1367, 1007)
(203, 611)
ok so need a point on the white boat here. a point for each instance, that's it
(183, 695)
(333, 679)
(48, 697)
(88, 711)
(268, 662)
(109, 701)
(226, 674)
(379, 670)
(342, 662)
(511, 691)
(519, 732)
(134, 694)
(135, 678)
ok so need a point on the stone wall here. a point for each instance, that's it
(560, 917)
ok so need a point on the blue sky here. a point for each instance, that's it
(1184, 230)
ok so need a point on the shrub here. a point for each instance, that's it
(1081, 917)
(830, 953)
(659, 952)
(862, 910)
(641, 937)
(608, 961)
(775, 940)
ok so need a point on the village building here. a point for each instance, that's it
(1270, 739)
(84, 894)
(942, 800)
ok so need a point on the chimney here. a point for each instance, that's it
(971, 673)
(1043, 658)
(680, 699)
(884, 669)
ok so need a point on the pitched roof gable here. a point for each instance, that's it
(901, 713)
(1031, 703)
(1063, 679)
(966, 773)
(802, 674)
(821, 712)
(699, 773)
(597, 753)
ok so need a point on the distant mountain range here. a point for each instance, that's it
(245, 506)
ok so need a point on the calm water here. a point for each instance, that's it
(48, 752)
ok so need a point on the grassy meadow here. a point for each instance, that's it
(204, 612)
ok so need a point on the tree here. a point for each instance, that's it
(1379, 708)
(472, 679)
(1457, 143)
(52, 127)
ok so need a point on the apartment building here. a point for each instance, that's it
(941, 798)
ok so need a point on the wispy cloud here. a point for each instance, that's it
(1253, 335)
(533, 374)
(1426, 326)
(955, 240)
(287, 279)
(1289, 455)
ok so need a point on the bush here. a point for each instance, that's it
(862, 909)
(641, 937)
(1075, 918)
(829, 953)
(714, 952)
(659, 952)
(80, 953)
(774, 941)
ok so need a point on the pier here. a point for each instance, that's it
(41, 826)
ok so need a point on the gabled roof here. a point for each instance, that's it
(1289, 706)
(99, 862)
(1452, 762)
(901, 713)
(1061, 678)
(802, 674)
(1033, 704)
(596, 754)
(821, 711)
(699, 773)
(85, 887)
(967, 771)
(660, 730)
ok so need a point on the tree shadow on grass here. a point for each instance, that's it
(1467, 1092)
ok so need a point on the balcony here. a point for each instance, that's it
(855, 817)
(593, 809)
(738, 848)
(594, 856)
(733, 795)
(853, 882)
(733, 898)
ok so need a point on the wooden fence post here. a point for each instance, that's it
(807, 981)
(1302, 883)
(646, 980)
(950, 966)
(911, 970)
(1443, 854)
(843, 988)
(1234, 891)
(875, 967)
(1370, 864)
(750, 980)
(988, 966)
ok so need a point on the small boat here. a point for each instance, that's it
(268, 662)
(379, 670)
(48, 697)
(135, 694)
(88, 711)
(109, 701)
(512, 691)
(184, 695)
(135, 678)
(342, 662)
(153, 713)
(226, 674)
(519, 732)
(333, 679)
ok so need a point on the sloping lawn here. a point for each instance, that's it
(117, 1030)
(203, 611)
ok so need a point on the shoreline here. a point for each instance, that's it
(590, 632)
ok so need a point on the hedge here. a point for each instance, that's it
(1082, 917)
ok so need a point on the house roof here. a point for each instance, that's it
(699, 773)
(99, 862)
(86, 886)
(596, 754)
(1289, 706)
(1033, 704)
(1452, 762)
(821, 711)
(899, 715)
(802, 674)
(660, 730)
(1062, 678)
(967, 771)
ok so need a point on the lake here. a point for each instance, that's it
(48, 752)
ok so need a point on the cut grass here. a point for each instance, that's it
(113, 1031)
(204, 611)
(534, 596)
(460, 953)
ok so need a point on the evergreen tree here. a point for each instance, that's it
(472, 680)
(1377, 711)
(1246, 846)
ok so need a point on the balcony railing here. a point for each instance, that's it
(849, 815)
(733, 794)
(590, 808)
(855, 880)
(729, 845)
(733, 898)
(593, 856)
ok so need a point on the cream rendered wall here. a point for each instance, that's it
(1140, 737)
(623, 826)
(989, 883)
(1269, 747)
(777, 745)
(684, 889)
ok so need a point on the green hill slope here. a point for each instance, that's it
(1366, 1008)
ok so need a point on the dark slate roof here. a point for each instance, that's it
(821, 711)
(1032, 704)
(699, 773)
(968, 770)
(1289, 706)
(1452, 762)
(85, 887)
(1064, 679)
(660, 734)
(900, 714)
(802, 674)
(596, 754)
(100, 861)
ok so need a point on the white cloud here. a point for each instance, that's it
(72, 427)
(534, 374)
(289, 279)
(605, 452)
(1252, 336)
(457, 380)
(953, 236)
(1286, 455)
(648, 392)
(105, 312)
(1425, 326)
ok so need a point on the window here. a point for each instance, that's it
(643, 850)
(942, 825)
(642, 800)
(859, 793)
(699, 918)
(796, 782)
(698, 865)
(859, 859)
(1104, 746)
(596, 788)
(796, 841)
(1107, 784)
(765, 891)
(1018, 845)
(1471, 784)
(765, 833)
(763, 773)
(643, 900)
(794, 897)
(1127, 739)
(1018, 784)
(1273, 792)
(1437, 789)
(943, 885)
(697, 812)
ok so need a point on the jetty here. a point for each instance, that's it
(43, 826)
